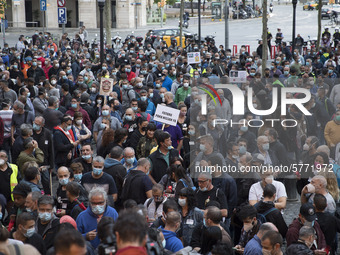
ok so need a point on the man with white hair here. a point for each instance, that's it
(97, 178)
(129, 160)
(318, 185)
(87, 220)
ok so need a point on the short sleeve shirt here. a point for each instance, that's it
(256, 191)
(106, 182)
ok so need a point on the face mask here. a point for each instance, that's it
(45, 216)
(305, 147)
(99, 101)
(196, 76)
(105, 112)
(158, 86)
(28, 94)
(128, 118)
(15, 66)
(57, 65)
(242, 150)
(169, 147)
(34, 63)
(53, 82)
(1, 215)
(130, 161)
(191, 132)
(182, 201)
(204, 222)
(68, 72)
(74, 105)
(143, 98)
(86, 157)
(202, 147)
(64, 77)
(97, 171)
(330, 71)
(93, 90)
(63, 182)
(244, 128)
(234, 156)
(164, 243)
(116, 107)
(68, 128)
(134, 108)
(266, 252)
(29, 232)
(265, 146)
(185, 85)
(203, 189)
(128, 70)
(36, 127)
(102, 125)
(98, 209)
(337, 118)
(151, 95)
(125, 86)
(252, 74)
(77, 177)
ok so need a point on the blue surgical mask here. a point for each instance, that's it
(158, 86)
(63, 182)
(143, 98)
(130, 161)
(202, 147)
(68, 128)
(105, 112)
(74, 105)
(169, 147)
(102, 125)
(265, 146)
(104, 68)
(68, 72)
(98, 209)
(125, 86)
(29, 232)
(77, 177)
(97, 171)
(203, 189)
(64, 77)
(286, 72)
(128, 70)
(151, 95)
(134, 108)
(204, 223)
(244, 128)
(128, 118)
(46, 216)
(36, 127)
(0, 215)
(86, 157)
(15, 66)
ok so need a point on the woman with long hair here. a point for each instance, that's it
(191, 215)
(147, 142)
(107, 138)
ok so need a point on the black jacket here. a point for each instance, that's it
(45, 143)
(299, 248)
(274, 217)
(50, 231)
(62, 147)
(159, 165)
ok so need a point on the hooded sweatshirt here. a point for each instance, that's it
(172, 242)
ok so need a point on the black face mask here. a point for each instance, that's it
(144, 129)
(116, 107)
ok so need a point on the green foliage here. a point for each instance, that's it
(3, 6)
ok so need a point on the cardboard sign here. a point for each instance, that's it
(238, 76)
(193, 57)
(106, 86)
(166, 115)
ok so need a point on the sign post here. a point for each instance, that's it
(62, 18)
(43, 6)
(62, 14)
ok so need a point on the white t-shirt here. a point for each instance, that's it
(256, 191)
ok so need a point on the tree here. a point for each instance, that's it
(264, 36)
(319, 25)
(108, 21)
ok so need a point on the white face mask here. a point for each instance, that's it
(182, 201)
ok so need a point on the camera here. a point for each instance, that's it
(108, 246)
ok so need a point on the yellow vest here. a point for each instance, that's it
(13, 178)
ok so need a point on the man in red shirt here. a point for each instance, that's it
(131, 233)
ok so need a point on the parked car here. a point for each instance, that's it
(169, 33)
(310, 6)
(326, 13)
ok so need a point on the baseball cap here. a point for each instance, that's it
(308, 212)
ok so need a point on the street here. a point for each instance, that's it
(246, 31)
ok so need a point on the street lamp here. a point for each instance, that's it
(294, 21)
(101, 4)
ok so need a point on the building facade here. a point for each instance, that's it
(22, 13)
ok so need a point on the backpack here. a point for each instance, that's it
(188, 186)
(262, 216)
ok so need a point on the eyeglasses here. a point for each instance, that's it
(202, 181)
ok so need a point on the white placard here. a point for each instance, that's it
(237, 76)
(194, 57)
(16, 2)
(166, 115)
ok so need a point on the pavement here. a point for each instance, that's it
(241, 32)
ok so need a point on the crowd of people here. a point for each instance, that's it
(82, 172)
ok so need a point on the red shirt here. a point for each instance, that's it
(130, 76)
(132, 250)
